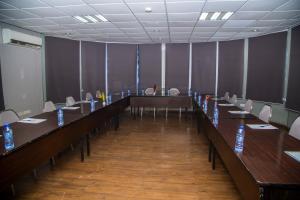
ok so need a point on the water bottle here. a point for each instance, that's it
(239, 140)
(143, 92)
(199, 100)
(122, 94)
(92, 103)
(109, 99)
(168, 92)
(205, 106)
(60, 117)
(8, 137)
(195, 96)
(128, 92)
(216, 117)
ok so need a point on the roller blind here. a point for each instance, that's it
(204, 67)
(231, 63)
(62, 69)
(266, 62)
(293, 95)
(93, 66)
(150, 65)
(121, 67)
(177, 66)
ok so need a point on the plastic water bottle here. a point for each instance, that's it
(8, 137)
(92, 102)
(239, 140)
(199, 100)
(195, 96)
(216, 116)
(205, 106)
(128, 92)
(122, 94)
(143, 92)
(109, 99)
(60, 117)
(168, 92)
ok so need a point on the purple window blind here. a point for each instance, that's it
(121, 67)
(293, 95)
(150, 65)
(93, 66)
(204, 67)
(231, 63)
(177, 66)
(266, 60)
(62, 69)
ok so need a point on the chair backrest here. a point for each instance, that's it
(174, 92)
(226, 96)
(88, 96)
(265, 114)
(233, 99)
(248, 105)
(9, 116)
(70, 101)
(295, 129)
(49, 106)
(149, 91)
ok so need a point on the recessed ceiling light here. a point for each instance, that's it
(81, 19)
(91, 18)
(227, 15)
(255, 30)
(101, 18)
(215, 16)
(148, 9)
(203, 16)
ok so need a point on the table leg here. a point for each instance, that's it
(213, 158)
(82, 150)
(88, 147)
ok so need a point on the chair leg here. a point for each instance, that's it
(12, 189)
(142, 109)
(180, 112)
(52, 161)
(209, 151)
(213, 158)
(154, 112)
(166, 113)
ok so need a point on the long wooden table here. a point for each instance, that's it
(261, 171)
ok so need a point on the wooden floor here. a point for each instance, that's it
(145, 159)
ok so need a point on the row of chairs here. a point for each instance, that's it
(265, 114)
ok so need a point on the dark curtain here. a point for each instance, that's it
(121, 67)
(204, 67)
(93, 66)
(293, 94)
(231, 63)
(150, 65)
(266, 60)
(177, 66)
(62, 69)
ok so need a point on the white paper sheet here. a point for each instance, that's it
(238, 112)
(294, 154)
(70, 108)
(32, 120)
(262, 126)
(242, 105)
(225, 104)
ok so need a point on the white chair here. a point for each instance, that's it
(149, 91)
(70, 101)
(295, 129)
(88, 96)
(174, 92)
(248, 105)
(49, 106)
(9, 116)
(233, 99)
(265, 114)
(226, 96)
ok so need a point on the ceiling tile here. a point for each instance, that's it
(213, 6)
(53, 27)
(224, 29)
(79, 26)
(142, 1)
(103, 1)
(181, 29)
(281, 15)
(152, 17)
(45, 12)
(181, 24)
(206, 29)
(193, 16)
(63, 20)
(114, 8)
(127, 24)
(26, 3)
(140, 7)
(290, 5)
(63, 2)
(209, 23)
(37, 22)
(263, 23)
(238, 23)
(184, 6)
(248, 15)
(103, 25)
(77, 10)
(120, 18)
(154, 23)
(5, 6)
(16, 22)
(224, 34)
(203, 34)
(261, 5)
(17, 14)
(133, 30)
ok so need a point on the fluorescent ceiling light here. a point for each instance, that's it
(91, 18)
(101, 18)
(203, 16)
(227, 15)
(81, 19)
(215, 16)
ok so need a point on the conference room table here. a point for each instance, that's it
(262, 170)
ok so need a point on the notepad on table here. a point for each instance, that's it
(239, 112)
(226, 104)
(70, 108)
(261, 126)
(294, 154)
(32, 120)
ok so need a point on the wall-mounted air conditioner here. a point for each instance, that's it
(14, 37)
